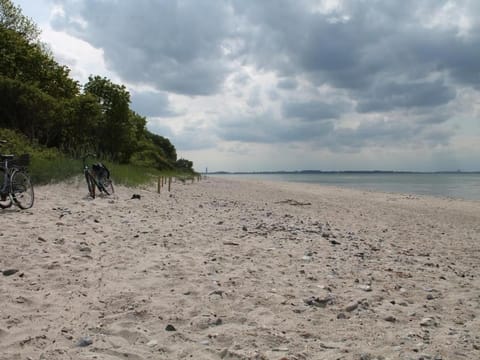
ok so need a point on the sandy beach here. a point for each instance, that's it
(230, 269)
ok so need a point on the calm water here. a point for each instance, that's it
(461, 186)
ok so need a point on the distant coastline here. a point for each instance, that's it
(337, 172)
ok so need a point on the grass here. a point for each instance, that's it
(60, 168)
(50, 165)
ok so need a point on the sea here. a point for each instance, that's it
(447, 185)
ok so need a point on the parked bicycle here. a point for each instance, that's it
(97, 177)
(15, 185)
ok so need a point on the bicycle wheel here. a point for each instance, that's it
(21, 190)
(107, 185)
(90, 185)
(5, 199)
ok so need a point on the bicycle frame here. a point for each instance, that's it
(6, 178)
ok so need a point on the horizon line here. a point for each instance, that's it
(343, 172)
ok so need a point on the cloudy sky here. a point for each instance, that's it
(245, 85)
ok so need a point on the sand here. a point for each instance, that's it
(230, 269)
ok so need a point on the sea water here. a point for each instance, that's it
(452, 185)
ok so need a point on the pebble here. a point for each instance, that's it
(390, 318)
(320, 302)
(152, 343)
(85, 341)
(428, 322)
(170, 328)
(365, 287)
(9, 272)
(351, 306)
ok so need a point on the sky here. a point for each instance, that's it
(248, 85)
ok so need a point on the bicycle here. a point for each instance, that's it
(15, 185)
(98, 176)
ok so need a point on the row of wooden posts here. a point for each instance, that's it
(167, 180)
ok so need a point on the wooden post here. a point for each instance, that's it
(158, 185)
(169, 183)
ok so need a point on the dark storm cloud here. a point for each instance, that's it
(173, 45)
(312, 110)
(180, 45)
(367, 41)
(287, 84)
(382, 133)
(392, 95)
(265, 128)
(151, 104)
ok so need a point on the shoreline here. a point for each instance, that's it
(240, 269)
(395, 188)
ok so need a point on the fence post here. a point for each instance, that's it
(158, 185)
(169, 183)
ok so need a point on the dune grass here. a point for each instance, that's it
(60, 168)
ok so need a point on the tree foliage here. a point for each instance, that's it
(11, 17)
(40, 100)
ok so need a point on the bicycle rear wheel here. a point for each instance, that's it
(5, 199)
(22, 190)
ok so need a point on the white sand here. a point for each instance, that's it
(241, 270)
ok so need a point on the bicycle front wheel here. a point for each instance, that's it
(22, 190)
(90, 185)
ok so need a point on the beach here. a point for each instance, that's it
(239, 269)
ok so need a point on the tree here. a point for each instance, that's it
(81, 128)
(184, 164)
(116, 130)
(29, 63)
(164, 145)
(39, 100)
(11, 17)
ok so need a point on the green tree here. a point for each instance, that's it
(11, 17)
(39, 100)
(80, 131)
(116, 129)
(29, 63)
(164, 144)
(184, 164)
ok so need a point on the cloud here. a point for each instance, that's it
(151, 104)
(341, 75)
(173, 46)
(287, 84)
(391, 95)
(312, 110)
